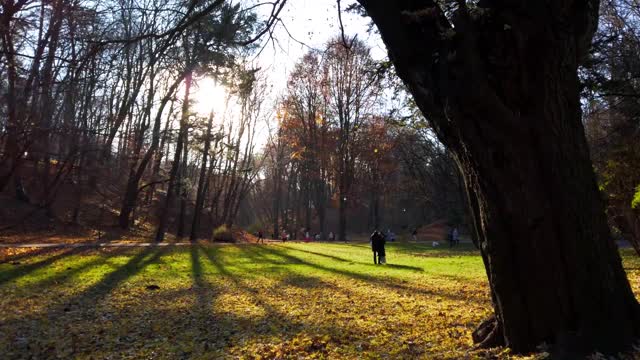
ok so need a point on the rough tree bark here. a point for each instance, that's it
(498, 82)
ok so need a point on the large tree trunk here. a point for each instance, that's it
(501, 91)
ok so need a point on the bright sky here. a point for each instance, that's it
(312, 22)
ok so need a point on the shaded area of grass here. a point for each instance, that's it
(247, 301)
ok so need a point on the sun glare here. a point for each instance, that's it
(208, 95)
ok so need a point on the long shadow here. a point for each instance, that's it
(85, 301)
(367, 278)
(389, 284)
(69, 272)
(427, 250)
(27, 254)
(148, 256)
(337, 258)
(274, 322)
(256, 256)
(205, 293)
(332, 257)
(217, 263)
(252, 291)
(288, 278)
(28, 268)
(404, 267)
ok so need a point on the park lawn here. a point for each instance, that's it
(248, 301)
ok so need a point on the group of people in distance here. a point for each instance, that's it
(377, 240)
(285, 236)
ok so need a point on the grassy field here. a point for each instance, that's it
(246, 301)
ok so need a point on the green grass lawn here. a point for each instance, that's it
(246, 301)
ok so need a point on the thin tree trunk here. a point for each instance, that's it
(182, 188)
(201, 192)
(131, 192)
(173, 175)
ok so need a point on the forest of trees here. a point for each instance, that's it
(101, 104)
(338, 161)
(518, 121)
(97, 96)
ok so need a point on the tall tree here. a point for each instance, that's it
(498, 81)
(352, 88)
(306, 106)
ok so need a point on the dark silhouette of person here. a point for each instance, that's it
(377, 246)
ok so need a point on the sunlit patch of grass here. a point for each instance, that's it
(248, 301)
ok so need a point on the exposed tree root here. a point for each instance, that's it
(488, 334)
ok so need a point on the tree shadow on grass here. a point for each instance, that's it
(332, 257)
(246, 287)
(428, 250)
(302, 281)
(27, 254)
(286, 317)
(147, 256)
(26, 334)
(404, 267)
(205, 294)
(102, 257)
(337, 258)
(373, 280)
(26, 269)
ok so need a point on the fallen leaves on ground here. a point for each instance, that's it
(292, 301)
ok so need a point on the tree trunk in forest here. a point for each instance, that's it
(201, 191)
(500, 89)
(131, 193)
(342, 215)
(155, 172)
(633, 224)
(320, 207)
(175, 167)
(276, 203)
(181, 188)
(307, 205)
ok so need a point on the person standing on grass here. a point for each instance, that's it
(377, 246)
(455, 235)
(260, 237)
(390, 235)
(414, 234)
(382, 255)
